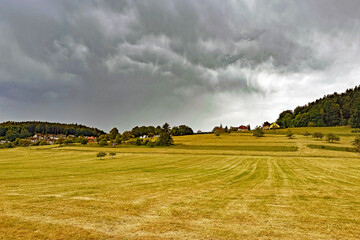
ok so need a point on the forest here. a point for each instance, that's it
(331, 110)
(12, 130)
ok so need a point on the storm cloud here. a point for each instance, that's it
(200, 63)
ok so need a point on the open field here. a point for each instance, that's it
(234, 186)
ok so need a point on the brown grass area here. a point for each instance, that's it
(182, 193)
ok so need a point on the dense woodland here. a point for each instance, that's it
(13, 130)
(331, 110)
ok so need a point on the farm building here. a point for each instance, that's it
(274, 126)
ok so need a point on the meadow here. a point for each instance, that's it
(232, 186)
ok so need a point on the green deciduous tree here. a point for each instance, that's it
(332, 137)
(113, 133)
(318, 135)
(101, 155)
(165, 138)
(103, 142)
(84, 141)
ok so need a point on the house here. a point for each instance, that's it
(266, 127)
(49, 138)
(243, 128)
(274, 126)
(90, 139)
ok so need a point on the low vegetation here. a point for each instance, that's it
(290, 134)
(332, 138)
(101, 155)
(318, 135)
(258, 132)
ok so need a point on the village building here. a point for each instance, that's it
(274, 126)
(243, 128)
(52, 138)
(266, 127)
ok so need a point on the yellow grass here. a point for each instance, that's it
(205, 187)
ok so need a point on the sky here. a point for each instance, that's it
(201, 63)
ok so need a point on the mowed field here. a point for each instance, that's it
(234, 186)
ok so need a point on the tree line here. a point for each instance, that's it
(331, 110)
(13, 130)
(163, 133)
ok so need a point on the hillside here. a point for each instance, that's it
(331, 110)
(12, 130)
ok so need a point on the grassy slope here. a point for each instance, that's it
(207, 187)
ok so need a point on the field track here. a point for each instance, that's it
(205, 187)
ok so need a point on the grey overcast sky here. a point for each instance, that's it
(199, 63)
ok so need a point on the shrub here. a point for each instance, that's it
(332, 137)
(84, 141)
(103, 143)
(68, 141)
(43, 142)
(318, 135)
(306, 134)
(112, 154)
(356, 143)
(24, 143)
(151, 144)
(258, 132)
(289, 134)
(60, 141)
(217, 134)
(138, 142)
(101, 155)
(7, 145)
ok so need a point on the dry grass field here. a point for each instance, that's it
(233, 186)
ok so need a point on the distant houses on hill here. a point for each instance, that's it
(268, 126)
(220, 129)
(52, 138)
(240, 128)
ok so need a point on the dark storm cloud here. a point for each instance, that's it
(124, 63)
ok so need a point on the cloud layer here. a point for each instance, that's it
(201, 63)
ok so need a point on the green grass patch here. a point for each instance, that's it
(334, 148)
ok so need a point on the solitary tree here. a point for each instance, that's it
(318, 135)
(101, 155)
(332, 137)
(356, 143)
(289, 134)
(165, 138)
